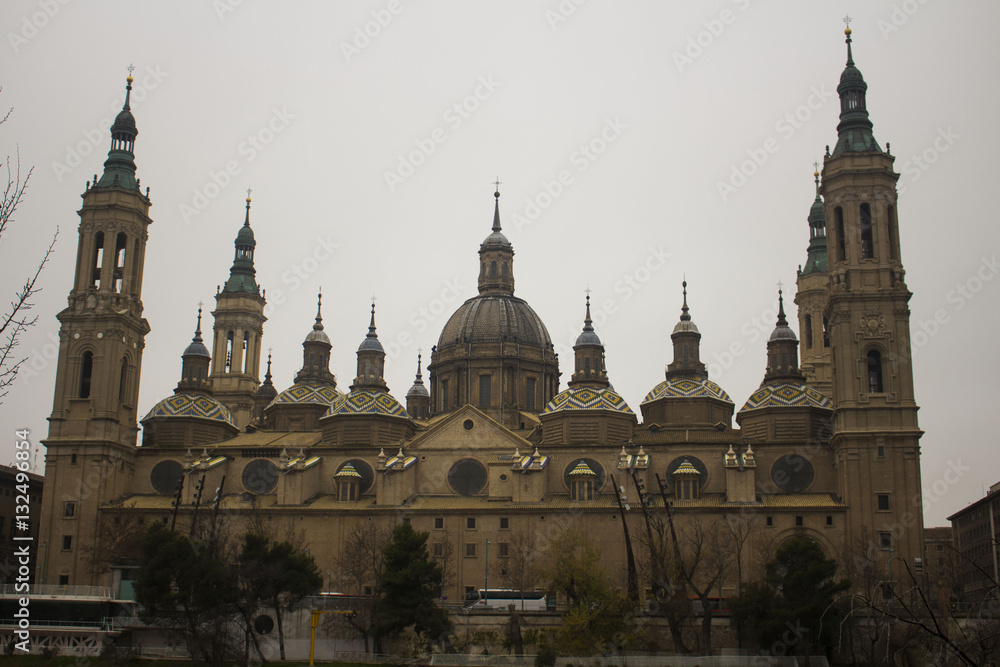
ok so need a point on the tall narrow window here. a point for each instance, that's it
(504, 271)
(444, 395)
(891, 223)
(826, 332)
(95, 279)
(485, 390)
(809, 331)
(875, 372)
(493, 269)
(229, 352)
(86, 373)
(529, 390)
(841, 243)
(246, 352)
(867, 238)
(122, 381)
(118, 277)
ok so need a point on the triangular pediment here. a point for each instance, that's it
(469, 428)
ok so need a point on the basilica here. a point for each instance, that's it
(488, 451)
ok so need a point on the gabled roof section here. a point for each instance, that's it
(485, 433)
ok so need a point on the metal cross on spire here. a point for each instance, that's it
(497, 183)
(847, 20)
(249, 190)
(130, 68)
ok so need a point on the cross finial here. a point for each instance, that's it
(588, 290)
(130, 68)
(201, 304)
(847, 20)
(249, 190)
(497, 183)
(780, 285)
(816, 164)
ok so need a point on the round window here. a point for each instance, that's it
(792, 473)
(365, 470)
(165, 477)
(594, 466)
(468, 424)
(260, 476)
(693, 460)
(467, 477)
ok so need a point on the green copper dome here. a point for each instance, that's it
(243, 276)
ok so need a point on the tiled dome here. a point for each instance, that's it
(687, 388)
(367, 402)
(787, 395)
(308, 392)
(199, 406)
(587, 398)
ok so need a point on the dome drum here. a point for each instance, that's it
(687, 401)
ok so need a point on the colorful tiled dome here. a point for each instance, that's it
(687, 388)
(308, 392)
(198, 406)
(587, 398)
(787, 395)
(367, 402)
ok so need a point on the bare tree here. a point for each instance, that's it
(519, 568)
(443, 551)
(703, 561)
(16, 320)
(360, 566)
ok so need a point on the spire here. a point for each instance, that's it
(119, 168)
(316, 351)
(687, 345)
(267, 375)
(194, 363)
(242, 277)
(685, 317)
(197, 346)
(371, 341)
(317, 333)
(496, 208)
(371, 360)
(418, 389)
(496, 256)
(854, 133)
(816, 261)
(589, 356)
(782, 350)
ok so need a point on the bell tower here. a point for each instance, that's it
(92, 430)
(239, 327)
(876, 436)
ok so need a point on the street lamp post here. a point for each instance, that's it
(486, 575)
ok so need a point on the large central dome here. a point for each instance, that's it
(494, 352)
(494, 318)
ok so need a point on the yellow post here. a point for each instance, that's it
(312, 636)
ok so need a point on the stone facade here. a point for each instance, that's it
(491, 457)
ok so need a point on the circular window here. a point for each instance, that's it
(503, 477)
(365, 470)
(693, 460)
(263, 624)
(165, 476)
(792, 473)
(468, 424)
(593, 465)
(260, 476)
(467, 477)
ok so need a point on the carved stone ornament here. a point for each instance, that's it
(873, 324)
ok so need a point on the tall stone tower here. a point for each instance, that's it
(239, 327)
(92, 431)
(876, 437)
(813, 293)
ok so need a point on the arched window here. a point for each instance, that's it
(229, 352)
(246, 352)
(123, 380)
(809, 331)
(891, 222)
(839, 225)
(118, 277)
(826, 332)
(444, 396)
(875, 385)
(504, 271)
(867, 238)
(485, 390)
(493, 269)
(529, 385)
(95, 279)
(86, 374)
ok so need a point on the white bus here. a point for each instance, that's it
(500, 598)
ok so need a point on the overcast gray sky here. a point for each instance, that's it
(371, 134)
